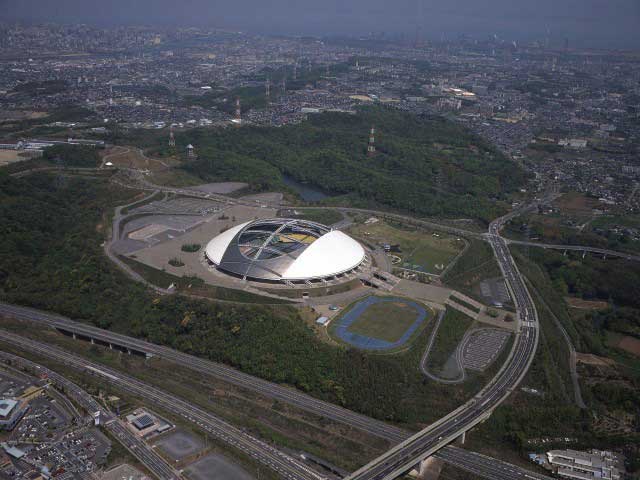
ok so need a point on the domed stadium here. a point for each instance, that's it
(284, 251)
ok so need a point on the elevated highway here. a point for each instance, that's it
(425, 443)
(284, 465)
(577, 248)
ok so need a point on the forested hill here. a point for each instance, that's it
(51, 258)
(426, 165)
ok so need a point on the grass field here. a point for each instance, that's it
(385, 321)
(419, 250)
(452, 329)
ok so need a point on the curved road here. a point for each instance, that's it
(403, 457)
(270, 390)
(425, 443)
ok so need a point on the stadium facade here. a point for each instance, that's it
(289, 251)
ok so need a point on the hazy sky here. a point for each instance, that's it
(604, 23)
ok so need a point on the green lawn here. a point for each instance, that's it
(452, 329)
(385, 321)
(418, 249)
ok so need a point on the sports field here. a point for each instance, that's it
(429, 252)
(385, 320)
(380, 323)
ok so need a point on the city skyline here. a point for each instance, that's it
(591, 23)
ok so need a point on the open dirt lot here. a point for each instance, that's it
(590, 359)
(11, 156)
(131, 157)
(9, 115)
(577, 203)
(216, 467)
(630, 344)
(585, 304)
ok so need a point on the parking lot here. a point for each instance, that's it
(482, 346)
(76, 452)
(180, 206)
(180, 445)
(44, 421)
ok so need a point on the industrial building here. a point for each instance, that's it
(584, 465)
(285, 251)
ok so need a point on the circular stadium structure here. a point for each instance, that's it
(284, 251)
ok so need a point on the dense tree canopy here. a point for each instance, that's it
(426, 165)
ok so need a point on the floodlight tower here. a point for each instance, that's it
(371, 147)
(238, 111)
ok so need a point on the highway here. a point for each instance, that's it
(485, 466)
(286, 466)
(138, 448)
(493, 394)
(216, 370)
(406, 455)
(303, 401)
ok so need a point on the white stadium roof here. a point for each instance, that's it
(332, 253)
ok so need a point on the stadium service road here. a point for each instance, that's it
(138, 448)
(286, 466)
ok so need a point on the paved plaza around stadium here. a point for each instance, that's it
(386, 330)
(157, 255)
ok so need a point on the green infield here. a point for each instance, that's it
(385, 321)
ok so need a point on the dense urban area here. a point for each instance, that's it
(226, 255)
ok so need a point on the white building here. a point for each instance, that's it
(584, 465)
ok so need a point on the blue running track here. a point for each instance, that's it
(370, 343)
